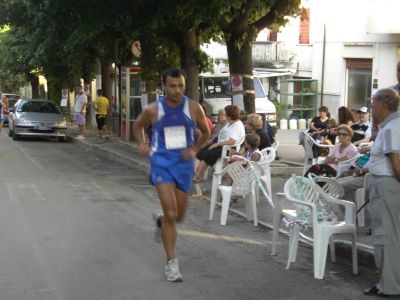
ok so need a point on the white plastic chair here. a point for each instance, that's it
(330, 187)
(308, 195)
(360, 200)
(345, 165)
(309, 142)
(224, 156)
(243, 175)
(267, 157)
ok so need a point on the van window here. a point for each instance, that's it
(217, 87)
(258, 89)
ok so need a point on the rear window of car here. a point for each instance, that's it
(39, 107)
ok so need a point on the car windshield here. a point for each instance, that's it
(39, 107)
(11, 103)
(220, 87)
(217, 87)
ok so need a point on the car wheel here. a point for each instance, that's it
(10, 133)
(15, 136)
(62, 139)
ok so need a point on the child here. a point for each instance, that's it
(250, 149)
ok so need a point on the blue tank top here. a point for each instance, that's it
(166, 148)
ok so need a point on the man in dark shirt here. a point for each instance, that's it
(361, 132)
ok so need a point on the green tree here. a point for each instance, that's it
(241, 21)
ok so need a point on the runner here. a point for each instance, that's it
(174, 118)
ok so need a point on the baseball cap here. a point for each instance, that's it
(362, 110)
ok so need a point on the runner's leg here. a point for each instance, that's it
(166, 193)
(181, 202)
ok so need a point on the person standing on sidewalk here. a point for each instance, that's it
(174, 118)
(80, 111)
(3, 107)
(384, 165)
(101, 105)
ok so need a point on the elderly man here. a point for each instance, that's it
(361, 129)
(384, 165)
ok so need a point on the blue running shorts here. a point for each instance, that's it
(179, 174)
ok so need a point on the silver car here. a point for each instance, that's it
(37, 117)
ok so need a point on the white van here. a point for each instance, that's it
(216, 93)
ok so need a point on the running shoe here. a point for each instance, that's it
(172, 271)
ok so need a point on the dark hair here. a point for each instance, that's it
(173, 72)
(253, 140)
(100, 92)
(345, 115)
(232, 111)
(325, 109)
(79, 85)
(389, 97)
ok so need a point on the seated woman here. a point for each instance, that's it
(254, 124)
(232, 132)
(342, 151)
(320, 123)
(221, 122)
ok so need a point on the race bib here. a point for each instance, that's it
(175, 137)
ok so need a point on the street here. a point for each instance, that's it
(77, 225)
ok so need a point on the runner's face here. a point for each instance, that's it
(174, 88)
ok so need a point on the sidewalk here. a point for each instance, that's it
(291, 162)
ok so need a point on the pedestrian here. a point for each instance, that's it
(384, 165)
(101, 105)
(174, 118)
(3, 107)
(80, 111)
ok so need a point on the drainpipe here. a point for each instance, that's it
(323, 65)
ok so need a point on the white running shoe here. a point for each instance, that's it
(172, 271)
(80, 137)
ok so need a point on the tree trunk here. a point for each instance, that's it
(240, 63)
(34, 81)
(150, 70)
(106, 76)
(189, 48)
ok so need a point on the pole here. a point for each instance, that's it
(323, 65)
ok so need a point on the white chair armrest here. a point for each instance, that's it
(350, 208)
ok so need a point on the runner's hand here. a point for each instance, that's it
(144, 149)
(189, 153)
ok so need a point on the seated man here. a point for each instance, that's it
(361, 129)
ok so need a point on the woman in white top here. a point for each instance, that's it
(232, 132)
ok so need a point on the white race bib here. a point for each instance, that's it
(175, 137)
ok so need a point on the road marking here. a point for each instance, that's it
(226, 238)
(91, 191)
(20, 191)
(27, 155)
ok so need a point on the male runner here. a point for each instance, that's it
(174, 118)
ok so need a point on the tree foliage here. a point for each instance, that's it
(62, 39)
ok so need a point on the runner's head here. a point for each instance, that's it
(174, 84)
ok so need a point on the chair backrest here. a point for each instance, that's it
(243, 175)
(267, 155)
(329, 186)
(300, 188)
(308, 145)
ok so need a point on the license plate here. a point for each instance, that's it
(42, 128)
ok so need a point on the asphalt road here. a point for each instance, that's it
(76, 225)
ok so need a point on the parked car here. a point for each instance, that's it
(12, 99)
(37, 117)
